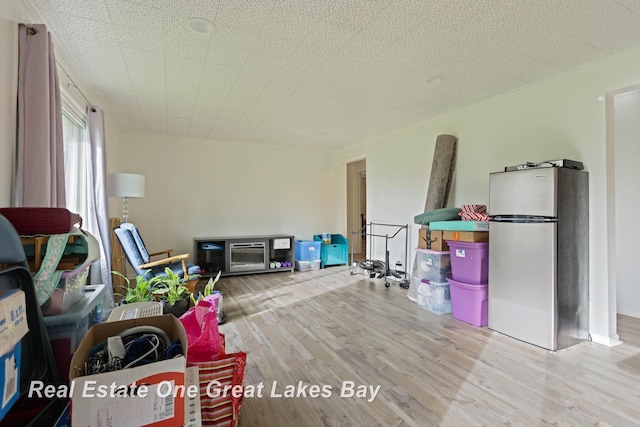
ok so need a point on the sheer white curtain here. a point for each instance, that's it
(85, 180)
(98, 191)
(76, 159)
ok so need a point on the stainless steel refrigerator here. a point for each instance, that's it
(539, 255)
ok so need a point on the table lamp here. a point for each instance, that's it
(125, 185)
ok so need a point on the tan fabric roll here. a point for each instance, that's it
(443, 171)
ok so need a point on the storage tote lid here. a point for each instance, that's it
(80, 309)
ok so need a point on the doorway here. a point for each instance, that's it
(625, 110)
(357, 207)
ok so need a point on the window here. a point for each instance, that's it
(82, 188)
(76, 162)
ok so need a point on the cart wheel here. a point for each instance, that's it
(387, 284)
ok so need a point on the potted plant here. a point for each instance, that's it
(141, 292)
(172, 291)
(212, 295)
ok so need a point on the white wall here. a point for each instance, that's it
(559, 118)
(199, 188)
(627, 200)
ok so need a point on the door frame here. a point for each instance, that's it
(354, 182)
(611, 197)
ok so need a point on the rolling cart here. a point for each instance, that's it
(382, 269)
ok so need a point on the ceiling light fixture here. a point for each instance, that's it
(200, 25)
(434, 80)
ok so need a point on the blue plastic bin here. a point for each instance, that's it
(307, 250)
(335, 253)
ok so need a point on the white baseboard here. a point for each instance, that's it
(610, 341)
(629, 313)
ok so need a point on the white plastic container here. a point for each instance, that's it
(307, 265)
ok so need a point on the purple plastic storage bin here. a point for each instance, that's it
(469, 261)
(469, 303)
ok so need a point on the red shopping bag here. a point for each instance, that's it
(218, 408)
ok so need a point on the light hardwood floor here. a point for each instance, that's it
(325, 327)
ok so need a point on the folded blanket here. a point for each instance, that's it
(47, 278)
(35, 221)
(444, 214)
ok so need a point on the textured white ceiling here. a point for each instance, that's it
(321, 72)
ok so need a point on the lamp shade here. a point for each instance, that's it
(125, 185)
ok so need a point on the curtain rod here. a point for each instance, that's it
(73, 83)
(32, 31)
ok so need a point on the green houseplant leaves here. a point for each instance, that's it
(141, 292)
(169, 289)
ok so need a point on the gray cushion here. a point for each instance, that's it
(136, 237)
(444, 214)
(130, 249)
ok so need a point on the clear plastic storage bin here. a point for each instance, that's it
(69, 290)
(67, 330)
(307, 265)
(434, 296)
(433, 266)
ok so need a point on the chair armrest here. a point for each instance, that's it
(167, 251)
(169, 260)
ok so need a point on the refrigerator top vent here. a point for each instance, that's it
(563, 163)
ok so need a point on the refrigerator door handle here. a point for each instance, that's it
(522, 218)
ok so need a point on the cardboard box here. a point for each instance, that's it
(13, 319)
(467, 236)
(91, 407)
(13, 327)
(432, 239)
(9, 378)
